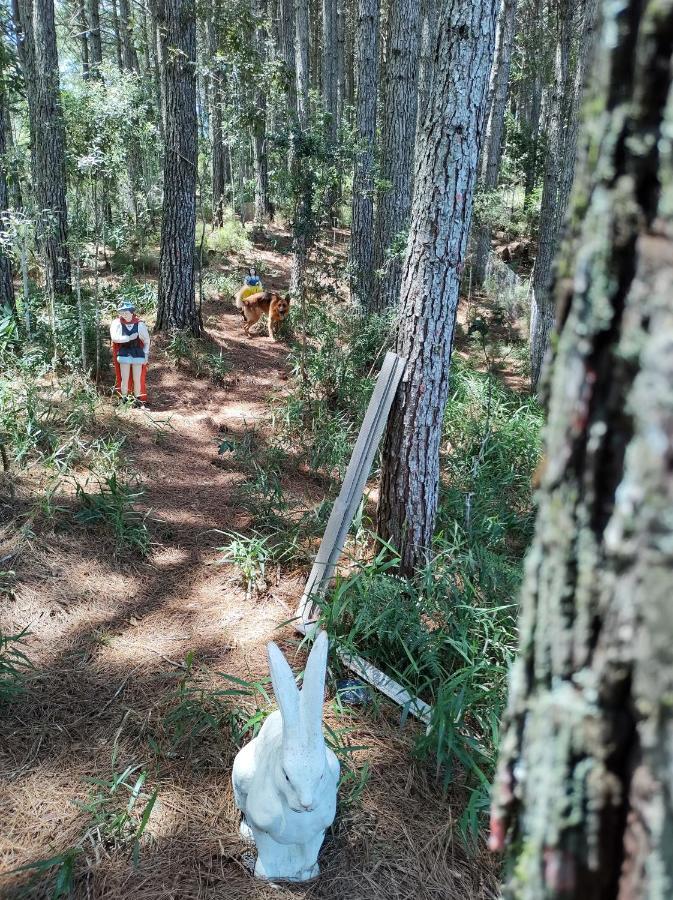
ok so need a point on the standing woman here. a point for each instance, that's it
(130, 351)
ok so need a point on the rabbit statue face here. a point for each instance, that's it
(285, 779)
(302, 762)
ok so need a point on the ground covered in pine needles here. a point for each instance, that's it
(115, 758)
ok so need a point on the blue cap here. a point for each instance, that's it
(126, 306)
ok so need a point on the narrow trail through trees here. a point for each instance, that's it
(112, 641)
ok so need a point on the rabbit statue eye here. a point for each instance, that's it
(286, 777)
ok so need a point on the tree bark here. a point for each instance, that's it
(95, 41)
(129, 54)
(531, 90)
(287, 41)
(495, 129)
(6, 284)
(176, 300)
(428, 30)
(362, 227)
(36, 46)
(218, 149)
(83, 38)
(398, 129)
(584, 785)
(302, 230)
(330, 91)
(10, 162)
(342, 31)
(259, 145)
(117, 34)
(446, 170)
(158, 65)
(562, 139)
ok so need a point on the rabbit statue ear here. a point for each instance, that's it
(284, 687)
(313, 690)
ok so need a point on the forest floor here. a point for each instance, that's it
(109, 641)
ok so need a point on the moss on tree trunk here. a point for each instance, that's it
(585, 780)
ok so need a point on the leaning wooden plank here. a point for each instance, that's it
(382, 682)
(378, 679)
(353, 486)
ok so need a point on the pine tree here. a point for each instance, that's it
(492, 154)
(36, 47)
(446, 169)
(565, 108)
(176, 301)
(398, 130)
(362, 227)
(6, 285)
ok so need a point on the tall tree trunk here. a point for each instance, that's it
(494, 132)
(398, 130)
(218, 149)
(129, 55)
(302, 173)
(11, 167)
(342, 29)
(36, 45)
(147, 40)
(585, 777)
(428, 30)
(6, 284)
(350, 16)
(287, 40)
(446, 171)
(117, 34)
(83, 38)
(330, 86)
(176, 301)
(531, 91)
(158, 66)
(95, 40)
(362, 227)
(260, 155)
(565, 111)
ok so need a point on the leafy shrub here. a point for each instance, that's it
(230, 238)
(333, 380)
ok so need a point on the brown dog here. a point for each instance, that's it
(269, 302)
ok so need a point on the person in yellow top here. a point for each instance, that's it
(252, 285)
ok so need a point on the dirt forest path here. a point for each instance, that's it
(109, 638)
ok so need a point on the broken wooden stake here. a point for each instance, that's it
(339, 522)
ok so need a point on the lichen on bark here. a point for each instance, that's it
(584, 787)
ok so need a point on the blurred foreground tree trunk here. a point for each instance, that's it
(584, 788)
(446, 170)
(36, 45)
(176, 300)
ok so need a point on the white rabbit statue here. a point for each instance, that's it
(285, 780)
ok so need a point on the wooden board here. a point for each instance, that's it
(339, 522)
(346, 504)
